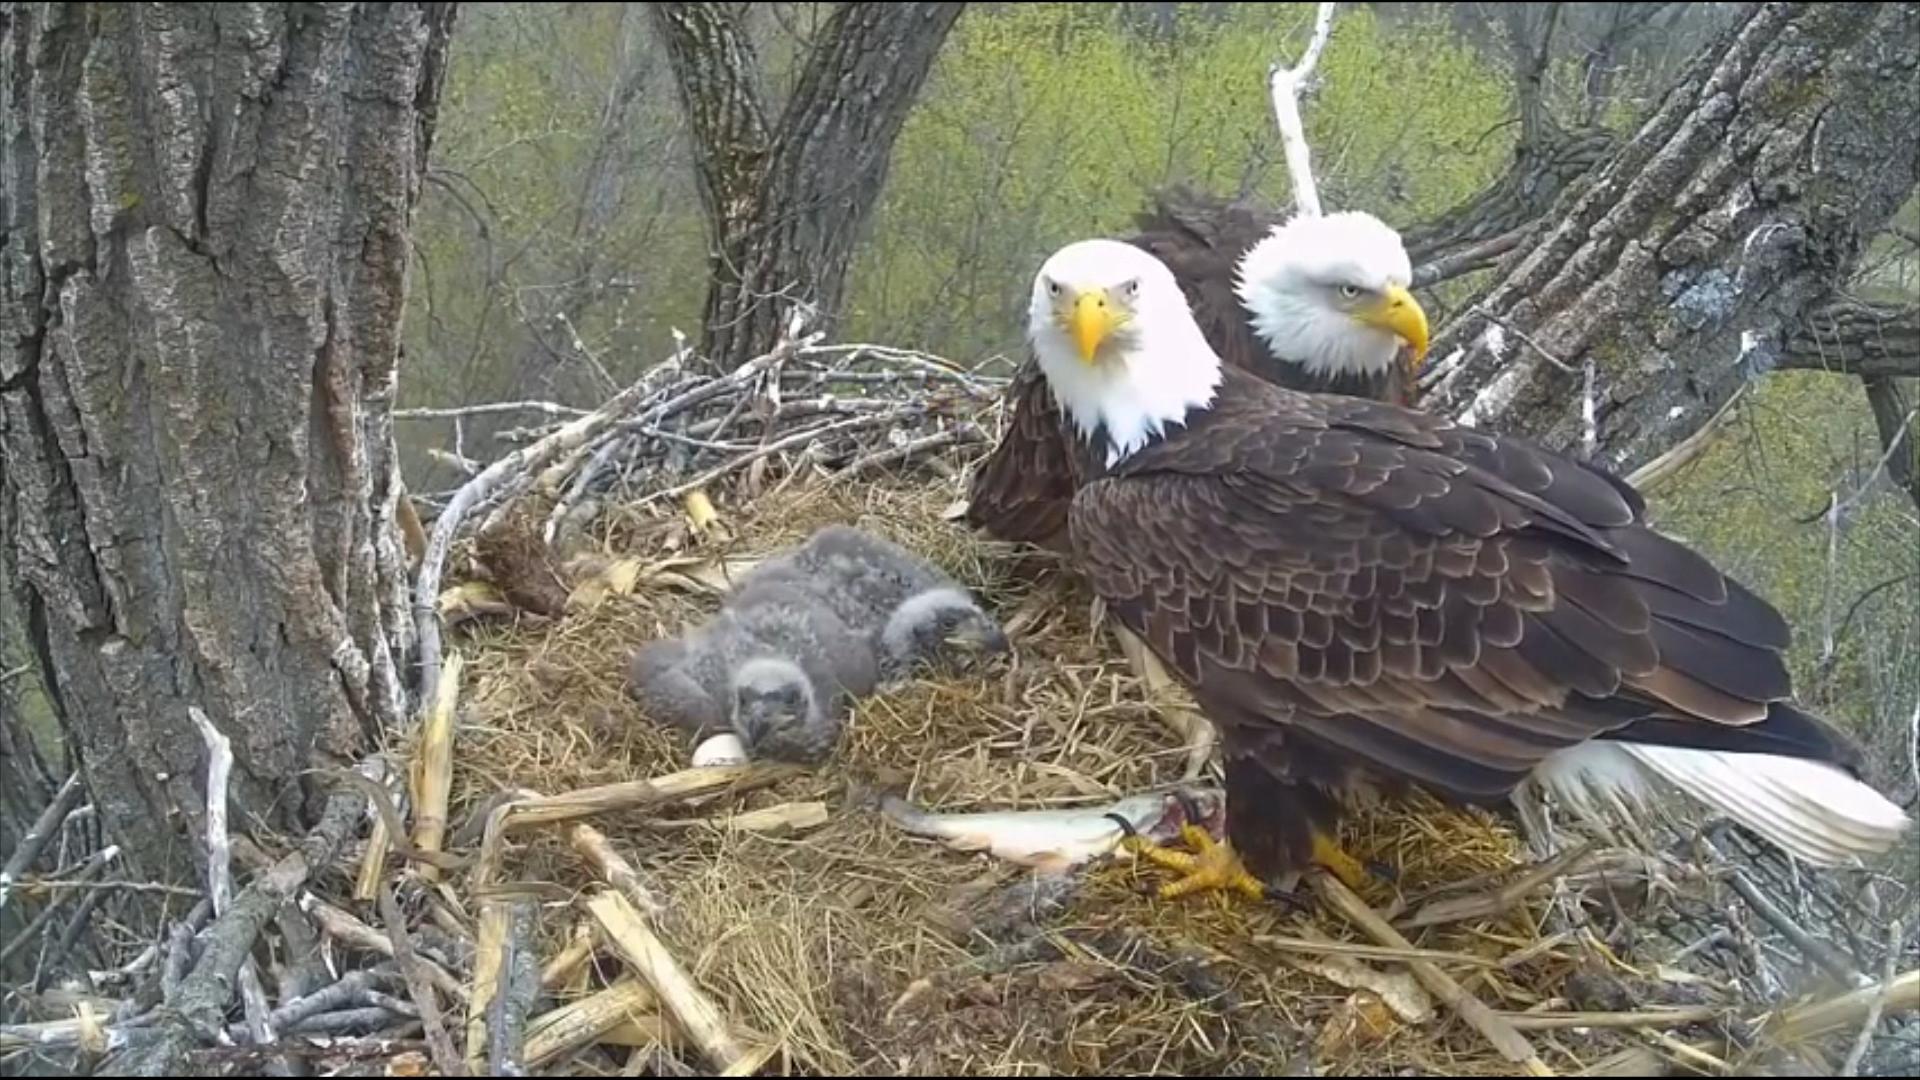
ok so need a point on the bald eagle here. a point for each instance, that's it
(1314, 303)
(1364, 597)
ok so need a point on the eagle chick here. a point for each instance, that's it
(906, 608)
(774, 666)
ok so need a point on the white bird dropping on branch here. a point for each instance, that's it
(1285, 84)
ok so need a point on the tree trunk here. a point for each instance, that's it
(1857, 338)
(1687, 262)
(786, 204)
(206, 215)
(1546, 157)
(1894, 417)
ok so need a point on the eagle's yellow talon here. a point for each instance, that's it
(1213, 865)
(1160, 856)
(1196, 837)
(1328, 853)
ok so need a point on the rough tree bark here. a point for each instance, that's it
(1684, 266)
(1855, 337)
(1893, 415)
(787, 202)
(1547, 158)
(206, 256)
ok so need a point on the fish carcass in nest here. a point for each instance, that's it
(1054, 841)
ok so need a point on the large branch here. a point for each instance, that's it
(1853, 337)
(1893, 415)
(717, 74)
(1538, 174)
(1285, 84)
(1546, 159)
(787, 204)
(1683, 266)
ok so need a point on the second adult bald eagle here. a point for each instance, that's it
(1315, 303)
(1362, 596)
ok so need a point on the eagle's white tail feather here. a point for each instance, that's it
(1812, 809)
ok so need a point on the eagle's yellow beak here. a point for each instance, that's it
(1092, 320)
(1402, 315)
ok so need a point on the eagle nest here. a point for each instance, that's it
(806, 933)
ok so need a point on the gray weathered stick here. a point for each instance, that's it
(419, 987)
(36, 839)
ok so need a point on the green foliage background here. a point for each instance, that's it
(1047, 122)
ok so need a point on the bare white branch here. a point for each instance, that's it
(491, 408)
(1286, 84)
(1589, 425)
(253, 996)
(219, 847)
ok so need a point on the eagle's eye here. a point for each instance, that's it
(1053, 288)
(1132, 289)
(1351, 292)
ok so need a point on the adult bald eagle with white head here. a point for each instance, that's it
(1314, 303)
(1363, 597)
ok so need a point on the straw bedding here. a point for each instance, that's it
(858, 949)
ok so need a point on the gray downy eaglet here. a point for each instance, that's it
(908, 609)
(773, 666)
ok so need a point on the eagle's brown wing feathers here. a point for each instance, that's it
(1380, 585)
(1021, 490)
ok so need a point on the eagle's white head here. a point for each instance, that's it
(1329, 292)
(1118, 344)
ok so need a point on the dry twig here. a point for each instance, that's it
(419, 987)
(1511, 1044)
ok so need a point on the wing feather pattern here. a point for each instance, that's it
(1449, 605)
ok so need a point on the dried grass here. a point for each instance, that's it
(862, 950)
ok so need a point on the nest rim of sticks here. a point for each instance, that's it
(734, 920)
(979, 743)
(820, 928)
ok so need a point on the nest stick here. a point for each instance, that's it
(1819, 952)
(1896, 940)
(331, 998)
(560, 970)
(641, 794)
(488, 961)
(810, 436)
(954, 436)
(1897, 996)
(78, 924)
(1511, 1044)
(96, 865)
(253, 997)
(782, 820)
(1686, 450)
(692, 1012)
(219, 846)
(373, 865)
(43, 829)
(553, 1035)
(1503, 899)
(493, 408)
(519, 986)
(344, 927)
(1371, 952)
(419, 986)
(598, 850)
(203, 995)
(519, 464)
(433, 767)
(1646, 1018)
